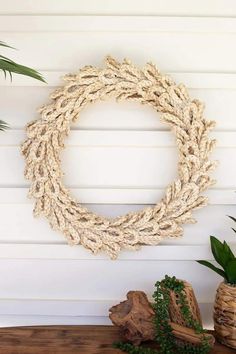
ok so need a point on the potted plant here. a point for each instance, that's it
(9, 66)
(225, 301)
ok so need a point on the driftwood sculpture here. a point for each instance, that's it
(135, 318)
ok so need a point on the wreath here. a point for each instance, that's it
(45, 140)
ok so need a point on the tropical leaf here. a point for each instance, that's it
(234, 219)
(9, 66)
(3, 44)
(3, 125)
(230, 271)
(231, 217)
(220, 254)
(228, 250)
(214, 268)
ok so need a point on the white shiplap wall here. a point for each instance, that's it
(118, 158)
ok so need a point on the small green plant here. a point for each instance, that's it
(224, 257)
(9, 66)
(164, 336)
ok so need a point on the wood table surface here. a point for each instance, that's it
(67, 340)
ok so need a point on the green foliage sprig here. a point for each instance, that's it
(9, 66)
(224, 257)
(3, 125)
(164, 336)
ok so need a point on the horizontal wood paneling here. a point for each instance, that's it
(103, 166)
(191, 80)
(112, 7)
(19, 105)
(37, 320)
(97, 280)
(65, 252)
(180, 51)
(120, 138)
(118, 195)
(212, 220)
(116, 24)
(89, 310)
(118, 158)
(57, 307)
(31, 320)
(116, 166)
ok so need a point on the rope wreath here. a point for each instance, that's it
(45, 138)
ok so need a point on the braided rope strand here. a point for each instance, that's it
(45, 140)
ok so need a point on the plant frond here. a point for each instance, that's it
(9, 66)
(228, 251)
(3, 125)
(230, 270)
(232, 218)
(3, 44)
(219, 251)
(212, 267)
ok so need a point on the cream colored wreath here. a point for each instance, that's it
(150, 225)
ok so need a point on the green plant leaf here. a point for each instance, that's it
(9, 66)
(220, 254)
(230, 271)
(3, 125)
(3, 44)
(232, 218)
(228, 250)
(214, 268)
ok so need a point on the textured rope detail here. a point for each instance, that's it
(124, 81)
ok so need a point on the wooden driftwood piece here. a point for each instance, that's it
(187, 334)
(175, 310)
(135, 319)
